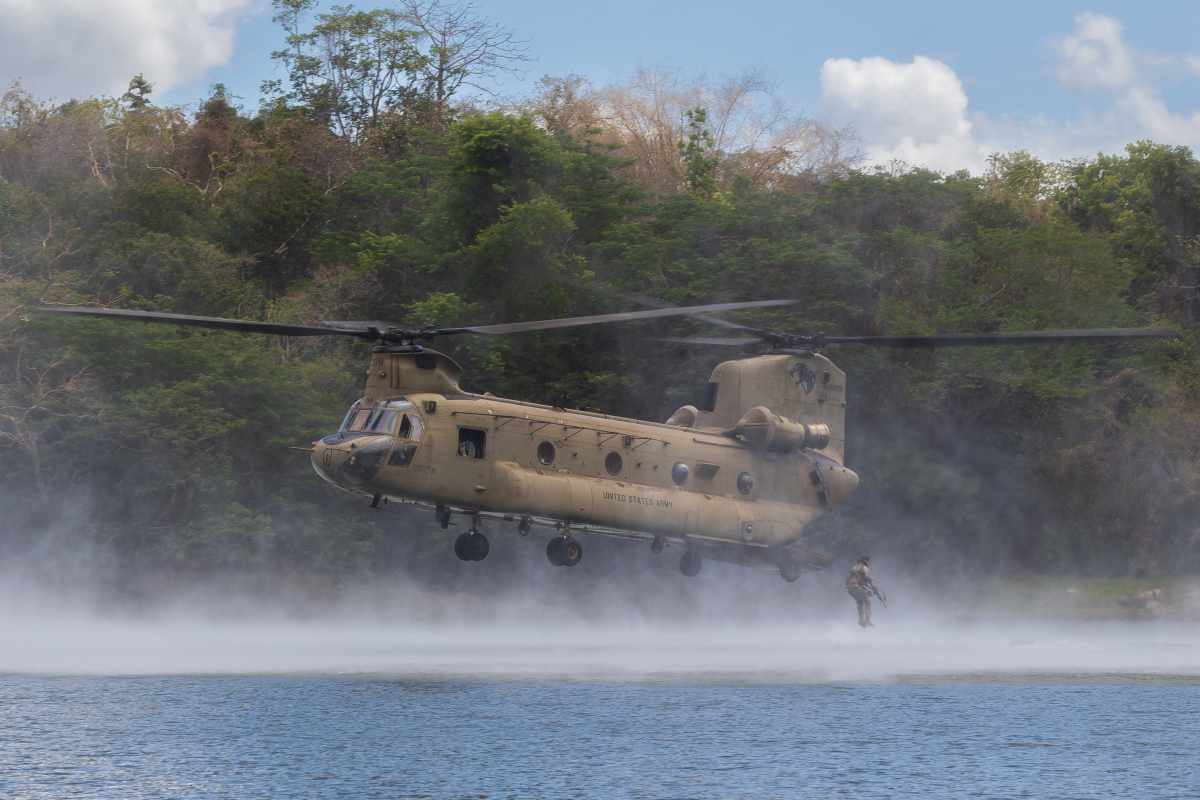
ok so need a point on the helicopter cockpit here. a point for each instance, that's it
(393, 421)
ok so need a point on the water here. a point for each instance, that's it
(552, 706)
(373, 736)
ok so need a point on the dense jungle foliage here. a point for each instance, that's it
(155, 447)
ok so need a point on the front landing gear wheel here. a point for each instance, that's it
(571, 551)
(791, 569)
(657, 545)
(476, 546)
(460, 547)
(554, 551)
(690, 564)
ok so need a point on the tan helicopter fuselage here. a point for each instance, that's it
(734, 480)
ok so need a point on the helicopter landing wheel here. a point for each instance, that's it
(690, 563)
(657, 545)
(554, 550)
(460, 543)
(791, 569)
(476, 546)
(572, 551)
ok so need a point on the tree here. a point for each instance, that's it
(699, 162)
(350, 69)
(1148, 201)
(138, 95)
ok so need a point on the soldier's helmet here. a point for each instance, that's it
(864, 560)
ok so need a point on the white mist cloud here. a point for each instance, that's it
(75, 48)
(917, 112)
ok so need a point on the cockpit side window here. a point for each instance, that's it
(410, 427)
(410, 423)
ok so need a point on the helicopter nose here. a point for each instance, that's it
(841, 482)
(325, 461)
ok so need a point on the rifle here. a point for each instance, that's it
(875, 590)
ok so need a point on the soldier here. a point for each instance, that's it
(859, 586)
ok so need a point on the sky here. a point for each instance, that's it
(935, 84)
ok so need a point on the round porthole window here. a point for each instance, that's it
(545, 453)
(745, 483)
(613, 463)
(680, 472)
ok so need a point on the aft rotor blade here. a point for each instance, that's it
(624, 316)
(1017, 337)
(711, 340)
(361, 330)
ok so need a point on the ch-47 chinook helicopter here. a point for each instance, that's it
(737, 479)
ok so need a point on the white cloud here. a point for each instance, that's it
(915, 112)
(76, 48)
(1096, 56)
(1097, 59)
(918, 112)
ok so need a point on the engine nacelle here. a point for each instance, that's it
(767, 431)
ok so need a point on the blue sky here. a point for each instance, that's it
(933, 83)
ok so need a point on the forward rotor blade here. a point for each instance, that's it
(570, 322)
(1018, 337)
(361, 330)
(632, 297)
(711, 340)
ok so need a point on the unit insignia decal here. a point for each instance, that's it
(804, 376)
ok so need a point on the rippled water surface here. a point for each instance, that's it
(251, 707)
(371, 736)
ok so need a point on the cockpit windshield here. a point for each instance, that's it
(383, 419)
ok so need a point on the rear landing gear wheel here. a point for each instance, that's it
(657, 545)
(460, 544)
(690, 563)
(791, 569)
(572, 552)
(476, 546)
(554, 551)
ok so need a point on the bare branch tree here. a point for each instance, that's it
(463, 48)
(755, 133)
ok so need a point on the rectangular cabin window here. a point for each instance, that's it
(472, 443)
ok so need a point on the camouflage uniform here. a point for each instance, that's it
(857, 585)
